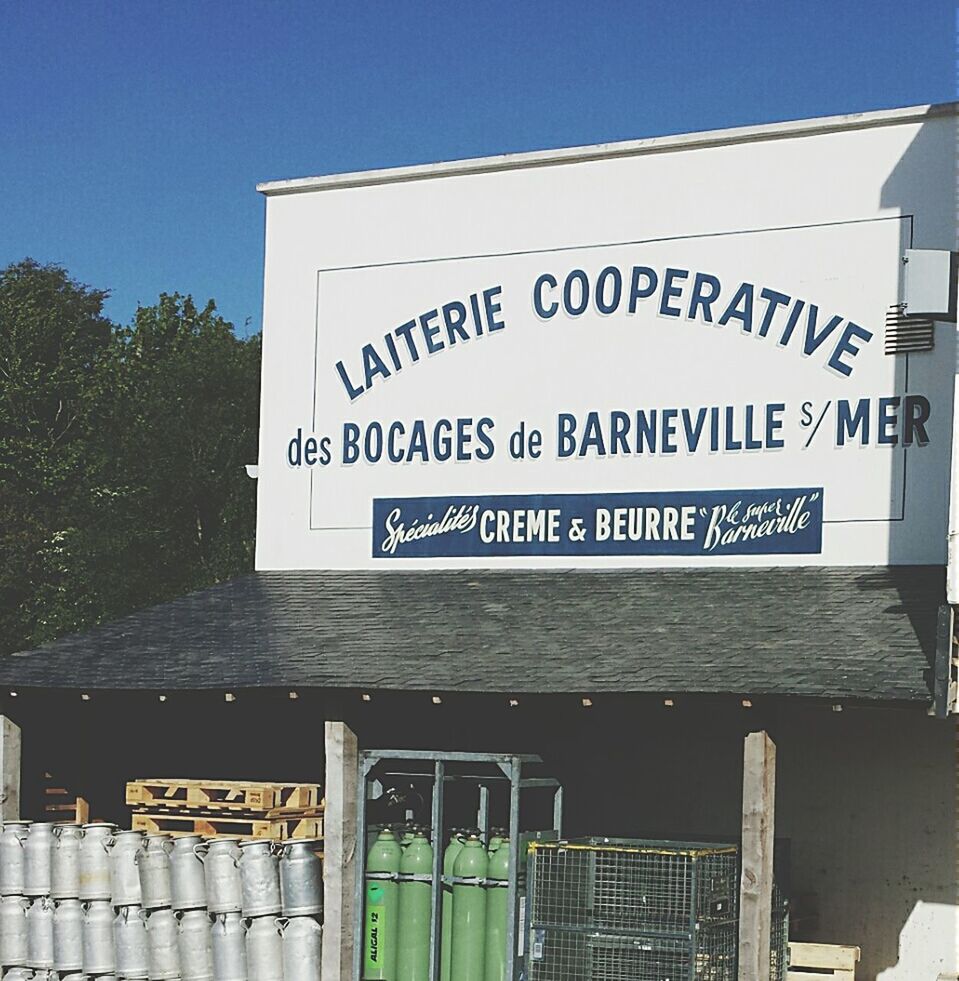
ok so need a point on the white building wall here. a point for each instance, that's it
(868, 800)
(821, 209)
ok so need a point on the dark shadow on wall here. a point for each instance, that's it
(922, 186)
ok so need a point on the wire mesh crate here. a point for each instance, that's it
(633, 887)
(638, 910)
(570, 955)
(779, 937)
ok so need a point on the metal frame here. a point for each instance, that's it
(510, 768)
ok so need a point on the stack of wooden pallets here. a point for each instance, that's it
(221, 808)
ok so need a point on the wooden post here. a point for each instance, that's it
(756, 886)
(339, 852)
(9, 770)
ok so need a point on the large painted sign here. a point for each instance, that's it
(696, 399)
(701, 399)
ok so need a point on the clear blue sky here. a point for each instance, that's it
(132, 134)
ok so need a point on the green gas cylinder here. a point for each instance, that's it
(497, 912)
(496, 839)
(415, 891)
(379, 935)
(469, 912)
(446, 944)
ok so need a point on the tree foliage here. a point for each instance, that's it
(121, 454)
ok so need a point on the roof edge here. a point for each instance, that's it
(602, 151)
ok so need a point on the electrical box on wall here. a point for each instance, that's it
(929, 284)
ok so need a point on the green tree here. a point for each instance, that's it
(121, 454)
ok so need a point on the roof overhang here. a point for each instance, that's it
(836, 633)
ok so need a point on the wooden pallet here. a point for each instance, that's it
(285, 813)
(76, 811)
(822, 962)
(233, 827)
(221, 795)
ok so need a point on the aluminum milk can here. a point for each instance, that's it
(95, 861)
(11, 857)
(40, 934)
(65, 862)
(77, 976)
(302, 948)
(259, 878)
(229, 948)
(301, 878)
(13, 931)
(221, 858)
(194, 945)
(264, 949)
(37, 852)
(162, 945)
(187, 888)
(68, 935)
(19, 974)
(124, 875)
(98, 954)
(130, 943)
(153, 863)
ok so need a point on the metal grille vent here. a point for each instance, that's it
(905, 334)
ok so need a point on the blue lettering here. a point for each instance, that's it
(609, 273)
(373, 365)
(544, 312)
(887, 421)
(492, 309)
(637, 292)
(483, 429)
(434, 347)
(351, 438)
(454, 324)
(846, 346)
(566, 440)
(740, 308)
(351, 389)
(848, 423)
(774, 425)
(773, 301)
(576, 276)
(393, 452)
(670, 291)
(813, 339)
(700, 298)
(592, 436)
(669, 430)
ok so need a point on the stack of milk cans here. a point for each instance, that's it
(94, 902)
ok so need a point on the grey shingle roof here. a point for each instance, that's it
(840, 633)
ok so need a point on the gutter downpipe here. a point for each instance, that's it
(952, 542)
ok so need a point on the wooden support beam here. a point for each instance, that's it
(756, 885)
(339, 852)
(9, 770)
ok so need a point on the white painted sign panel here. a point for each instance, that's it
(697, 399)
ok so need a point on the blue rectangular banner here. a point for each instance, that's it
(785, 521)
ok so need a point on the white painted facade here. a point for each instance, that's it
(820, 212)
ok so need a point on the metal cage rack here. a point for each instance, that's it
(511, 774)
(638, 910)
